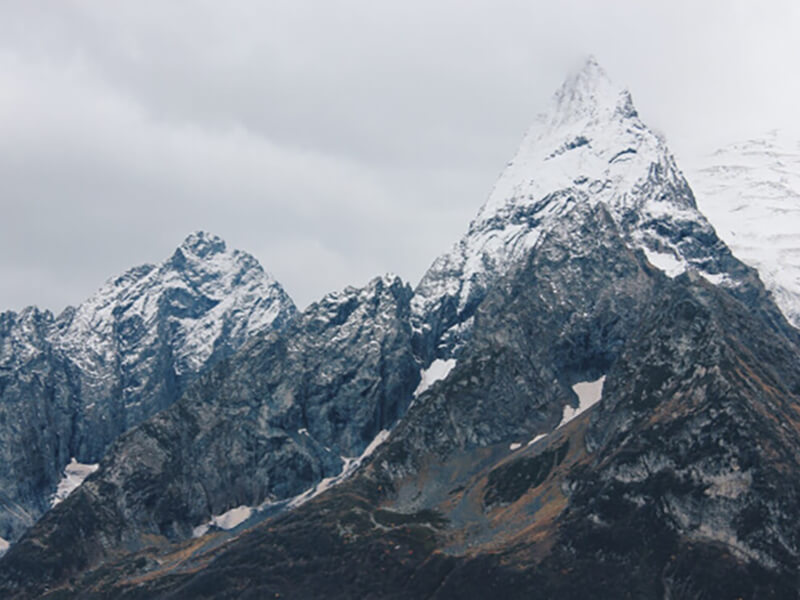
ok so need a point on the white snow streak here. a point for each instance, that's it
(541, 436)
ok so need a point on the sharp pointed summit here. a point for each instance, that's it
(589, 396)
(588, 93)
(591, 148)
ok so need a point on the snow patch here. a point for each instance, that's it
(668, 263)
(589, 394)
(232, 518)
(541, 436)
(74, 474)
(515, 446)
(438, 369)
(4, 546)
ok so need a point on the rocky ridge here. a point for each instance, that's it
(70, 385)
(294, 407)
(656, 490)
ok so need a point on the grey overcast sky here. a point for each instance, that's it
(334, 140)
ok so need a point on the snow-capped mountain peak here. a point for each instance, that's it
(130, 350)
(591, 147)
(201, 289)
(587, 94)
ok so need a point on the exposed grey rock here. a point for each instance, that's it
(590, 258)
(684, 483)
(561, 316)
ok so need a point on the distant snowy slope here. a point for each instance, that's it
(751, 193)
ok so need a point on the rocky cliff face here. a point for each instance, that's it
(70, 385)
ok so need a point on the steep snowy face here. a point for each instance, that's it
(751, 193)
(590, 147)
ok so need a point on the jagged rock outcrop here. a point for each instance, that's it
(70, 385)
(268, 424)
(559, 317)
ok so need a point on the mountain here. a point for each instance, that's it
(487, 487)
(71, 385)
(591, 147)
(751, 192)
(291, 408)
(589, 397)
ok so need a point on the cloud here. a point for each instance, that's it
(333, 140)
